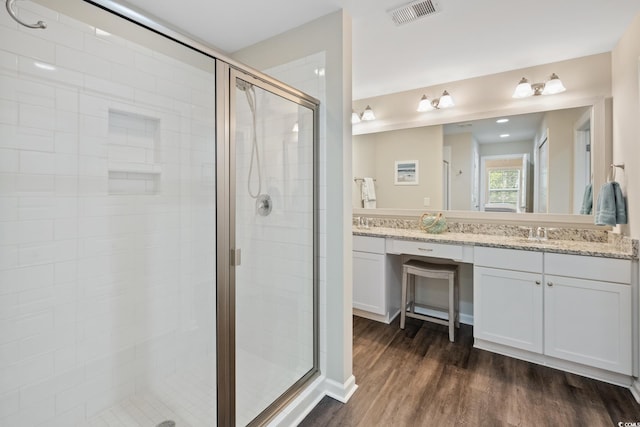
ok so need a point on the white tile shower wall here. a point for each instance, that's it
(275, 279)
(101, 295)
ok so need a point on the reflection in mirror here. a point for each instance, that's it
(539, 162)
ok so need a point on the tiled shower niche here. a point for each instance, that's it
(133, 153)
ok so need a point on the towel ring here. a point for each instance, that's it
(39, 24)
(612, 170)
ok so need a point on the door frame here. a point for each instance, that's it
(226, 249)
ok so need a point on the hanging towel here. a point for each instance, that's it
(611, 207)
(587, 201)
(368, 193)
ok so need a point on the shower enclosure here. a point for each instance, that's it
(157, 226)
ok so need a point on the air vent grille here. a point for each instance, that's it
(414, 10)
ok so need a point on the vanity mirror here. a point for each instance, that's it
(539, 162)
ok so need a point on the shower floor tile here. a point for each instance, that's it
(187, 398)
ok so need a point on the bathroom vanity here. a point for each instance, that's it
(561, 303)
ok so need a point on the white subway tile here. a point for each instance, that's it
(112, 89)
(9, 353)
(9, 404)
(65, 359)
(8, 207)
(37, 254)
(8, 61)
(32, 415)
(66, 164)
(65, 229)
(9, 160)
(74, 59)
(65, 272)
(23, 232)
(35, 116)
(33, 162)
(108, 51)
(74, 417)
(66, 121)
(22, 43)
(131, 77)
(47, 71)
(66, 186)
(37, 369)
(36, 184)
(8, 112)
(66, 143)
(67, 100)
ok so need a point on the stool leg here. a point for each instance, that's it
(457, 288)
(452, 309)
(403, 304)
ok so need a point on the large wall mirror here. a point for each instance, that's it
(540, 162)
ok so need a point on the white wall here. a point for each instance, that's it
(332, 35)
(626, 123)
(107, 218)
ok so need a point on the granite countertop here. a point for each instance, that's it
(600, 249)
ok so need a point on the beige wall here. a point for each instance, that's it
(586, 78)
(461, 170)
(423, 144)
(330, 34)
(560, 125)
(626, 121)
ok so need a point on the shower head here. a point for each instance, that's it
(242, 85)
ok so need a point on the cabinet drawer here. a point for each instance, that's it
(435, 250)
(374, 245)
(508, 259)
(587, 267)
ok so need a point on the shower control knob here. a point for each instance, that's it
(264, 205)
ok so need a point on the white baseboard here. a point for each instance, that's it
(341, 392)
(635, 389)
(552, 362)
(302, 405)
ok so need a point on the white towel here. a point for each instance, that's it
(368, 192)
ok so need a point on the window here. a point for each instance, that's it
(504, 186)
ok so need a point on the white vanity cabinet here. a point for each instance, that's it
(575, 308)
(507, 298)
(587, 317)
(376, 288)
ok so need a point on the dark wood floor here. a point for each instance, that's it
(416, 377)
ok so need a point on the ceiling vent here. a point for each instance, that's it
(414, 10)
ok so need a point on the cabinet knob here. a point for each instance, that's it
(549, 284)
(537, 282)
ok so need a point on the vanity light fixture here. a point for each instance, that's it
(445, 101)
(367, 114)
(355, 117)
(551, 87)
(295, 128)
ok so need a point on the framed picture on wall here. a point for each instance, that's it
(406, 172)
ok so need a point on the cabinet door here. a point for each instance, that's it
(588, 322)
(508, 307)
(368, 282)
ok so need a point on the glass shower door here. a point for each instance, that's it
(273, 156)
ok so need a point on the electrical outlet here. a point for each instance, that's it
(427, 201)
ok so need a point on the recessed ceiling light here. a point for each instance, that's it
(504, 135)
(502, 120)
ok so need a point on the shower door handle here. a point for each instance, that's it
(235, 257)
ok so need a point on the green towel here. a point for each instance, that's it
(611, 207)
(587, 201)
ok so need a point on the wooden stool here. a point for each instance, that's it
(413, 268)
